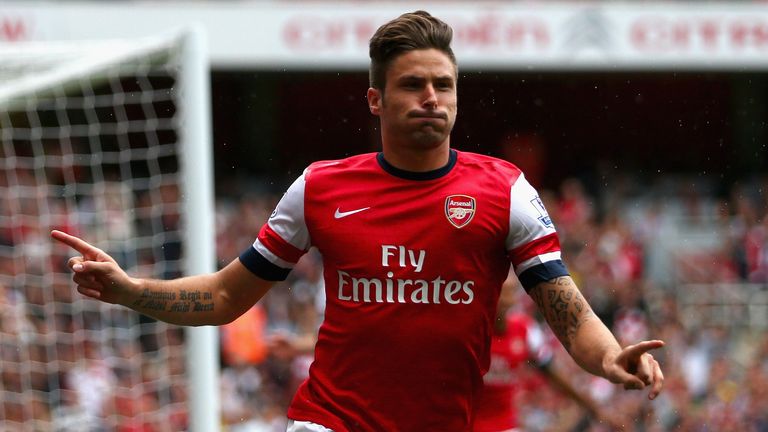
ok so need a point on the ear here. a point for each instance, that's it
(374, 101)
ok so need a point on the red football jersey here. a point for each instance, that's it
(413, 265)
(522, 341)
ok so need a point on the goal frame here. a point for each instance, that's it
(195, 156)
(199, 229)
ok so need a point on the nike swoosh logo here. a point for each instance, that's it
(340, 214)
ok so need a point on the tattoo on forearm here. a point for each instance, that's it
(563, 307)
(185, 301)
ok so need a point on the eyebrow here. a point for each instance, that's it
(422, 77)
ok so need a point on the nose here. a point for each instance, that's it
(430, 97)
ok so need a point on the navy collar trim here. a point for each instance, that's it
(416, 175)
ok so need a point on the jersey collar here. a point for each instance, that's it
(421, 175)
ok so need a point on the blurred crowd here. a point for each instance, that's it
(669, 259)
(67, 363)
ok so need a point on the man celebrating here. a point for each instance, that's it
(416, 241)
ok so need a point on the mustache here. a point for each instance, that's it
(428, 114)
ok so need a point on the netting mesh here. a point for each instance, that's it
(94, 155)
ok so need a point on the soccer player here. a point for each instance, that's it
(416, 241)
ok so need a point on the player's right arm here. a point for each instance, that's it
(207, 299)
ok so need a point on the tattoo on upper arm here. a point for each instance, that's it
(185, 301)
(563, 306)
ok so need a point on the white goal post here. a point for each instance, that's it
(110, 140)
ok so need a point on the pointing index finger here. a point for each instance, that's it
(76, 243)
(641, 348)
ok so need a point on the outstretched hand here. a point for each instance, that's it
(96, 274)
(635, 368)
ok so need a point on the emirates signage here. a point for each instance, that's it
(315, 35)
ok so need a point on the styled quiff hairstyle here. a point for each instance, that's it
(408, 32)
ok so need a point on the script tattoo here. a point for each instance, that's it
(185, 301)
(563, 306)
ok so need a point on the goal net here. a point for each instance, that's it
(100, 139)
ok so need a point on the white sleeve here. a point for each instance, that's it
(532, 243)
(287, 220)
(283, 239)
(532, 238)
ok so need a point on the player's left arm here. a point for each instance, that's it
(589, 341)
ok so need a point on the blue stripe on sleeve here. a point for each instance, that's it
(542, 273)
(261, 267)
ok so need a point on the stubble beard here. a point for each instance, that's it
(429, 137)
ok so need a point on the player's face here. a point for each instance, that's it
(418, 105)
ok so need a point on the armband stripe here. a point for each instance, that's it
(262, 267)
(541, 273)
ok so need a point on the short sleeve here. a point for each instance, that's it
(532, 244)
(283, 239)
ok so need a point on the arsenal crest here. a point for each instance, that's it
(459, 209)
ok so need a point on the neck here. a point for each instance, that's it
(417, 159)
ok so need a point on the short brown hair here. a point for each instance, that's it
(410, 31)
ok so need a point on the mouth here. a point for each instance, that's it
(428, 115)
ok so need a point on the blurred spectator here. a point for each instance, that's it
(756, 251)
(242, 340)
(92, 381)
